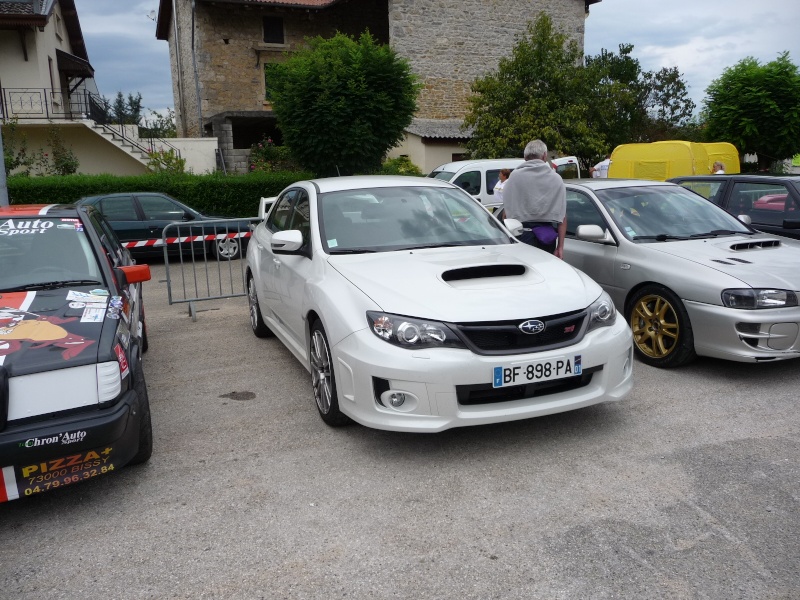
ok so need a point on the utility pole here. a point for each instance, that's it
(3, 186)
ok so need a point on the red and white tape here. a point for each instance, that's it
(185, 239)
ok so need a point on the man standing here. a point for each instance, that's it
(536, 195)
(601, 168)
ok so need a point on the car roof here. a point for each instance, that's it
(776, 176)
(357, 182)
(460, 164)
(39, 210)
(604, 184)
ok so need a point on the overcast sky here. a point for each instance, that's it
(700, 37)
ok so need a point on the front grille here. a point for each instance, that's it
(505, 337)
(484, 393)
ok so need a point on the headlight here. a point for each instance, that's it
(602, 312)
(412, 333)
(750, 299)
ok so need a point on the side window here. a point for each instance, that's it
(491, 180)
(159, 208)
(279, 216)
(470, 182)
(765, 203)
(300, 217)
(581, 210)
(120, 208)
(109, 241)
(707, 189)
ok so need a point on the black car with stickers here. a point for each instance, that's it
(73, 398)
(140, 218)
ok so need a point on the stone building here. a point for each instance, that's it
(219, 50)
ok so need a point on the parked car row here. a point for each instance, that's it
(411, 305)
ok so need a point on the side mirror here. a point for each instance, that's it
(514, 226)
(791, 223)
(286, 242)
(132, 274)
(593, 233)
(745, 219)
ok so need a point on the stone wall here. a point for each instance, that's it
(230, 52)
(451, 42)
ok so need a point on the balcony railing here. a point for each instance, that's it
(58, 104)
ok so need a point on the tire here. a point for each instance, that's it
(323, 380)
(257, 324)
(227, 249)
(662, 332)
(145, 425)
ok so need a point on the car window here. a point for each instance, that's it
(707, 189)
(407, 217)
(119, 208)
(568, 171)
(300, 216)
(443, 175)
(279, 216)
(491, 180)
(581, 210)
(470, 182)
(764, 203)
(159, 208)
(644, 211)
(108, 240)
(45, 250)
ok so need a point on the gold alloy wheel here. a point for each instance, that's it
(655, 326)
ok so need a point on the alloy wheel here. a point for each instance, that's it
(321, 371)
(655, 326)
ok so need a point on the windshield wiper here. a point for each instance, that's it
(661, 237)
(717, 232)
(423, 247)
(352, 251)
(52, 285)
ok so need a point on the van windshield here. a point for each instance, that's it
(443, 175)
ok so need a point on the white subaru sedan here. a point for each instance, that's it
(416, 310)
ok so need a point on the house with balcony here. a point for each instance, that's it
(46, 80)
(220, 52)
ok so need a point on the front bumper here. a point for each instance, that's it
(44, 455)
(745, 335)
(435, 378)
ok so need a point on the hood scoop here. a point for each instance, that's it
(483, 272)
(754, 244)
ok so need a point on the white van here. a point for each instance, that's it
(478, 177)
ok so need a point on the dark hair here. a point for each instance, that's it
(505, 172)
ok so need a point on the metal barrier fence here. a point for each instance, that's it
(204, 260)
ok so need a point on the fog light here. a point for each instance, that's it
(397, 399)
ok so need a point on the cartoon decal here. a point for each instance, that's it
(19, 327)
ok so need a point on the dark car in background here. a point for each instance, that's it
(139, 219)
(73, 398)
(771, 201)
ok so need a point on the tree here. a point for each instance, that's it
(631, 105)
(342, 103)
(126, 112)
(537, 92)
(757, 108)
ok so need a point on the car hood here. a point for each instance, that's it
(52, 329)
(475, 283)
(759, 261)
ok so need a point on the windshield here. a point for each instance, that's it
(663, 213)
(399, 218)
(37, 251)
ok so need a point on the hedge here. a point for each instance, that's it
(219, 195)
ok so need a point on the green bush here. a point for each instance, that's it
(401, 165)
(218, 195)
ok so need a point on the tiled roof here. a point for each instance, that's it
(16, 8)
(439, 128)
